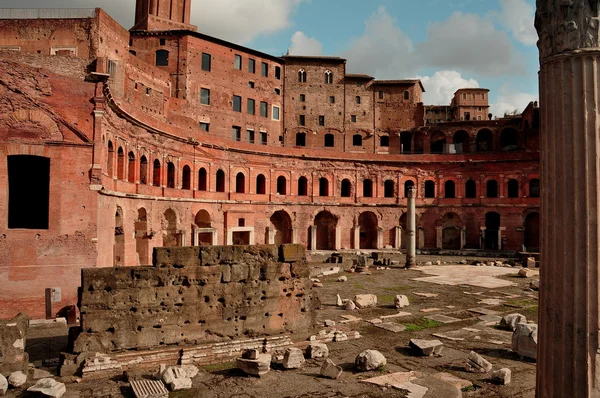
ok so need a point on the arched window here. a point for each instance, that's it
(323, 186)
(470, 189)
(202, 183)
(492, 189)
(143, 170)
(281, 185)
(302, 186)
(111, 159)
(261, 184)
(388, 189)
(438, 142)
(357, 140)
(131, 167)
(220, 181)
(484, 141)
(300, 139)
(429, 189)
(346, 188)
(513, 188)
(170, 175)
(240, 183)
(509, 139)
(329, 140)
(120, 164)
(449, 189)
(301, 76)
(407, 185)
(461, 141)
(328, 77)
(406, 95)
(162, 58)
(186, 177)
(534, 188)
(156, 173)
(367, 188)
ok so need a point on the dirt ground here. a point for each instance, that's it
(454, 301)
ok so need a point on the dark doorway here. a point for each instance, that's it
(492, 229)
(28, 191)
(346, 190)
(326, 224)
(282, 223)
(367, 222)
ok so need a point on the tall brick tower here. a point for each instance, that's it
(163, 15)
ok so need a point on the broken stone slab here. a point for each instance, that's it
(491, 301)
(339, 301)
(49, 387)
(534, 284)
(328, 323)
(446, 337)
(502, 376)
(255, 367)
(391, 327)
(442, 318)
(41, 374)
(3, 385)
(530, 262)
(317, 350)
(510, 321)
(293, 358)
(392, 379)
(191, 370)
(427, 310)
(483, 311)
(490, 320)
(317, 284)
(426, 347)
(350, 306)
(176, 378)
(526, 273)
(369, 360)
(398, 315)
(145, 388)
(451, 379)
(330, 369)
(349, 318)
(477, 364)
(250, 353)
(365, 300)
(524, 340)
(17, 379)
(342, 278)
(401, 301)
(426, 295)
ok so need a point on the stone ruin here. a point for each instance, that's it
(13, 357)
(193, 296)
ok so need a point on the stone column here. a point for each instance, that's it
(411, 233)
(439, 235)
(568, 360)
(356, 237)
(397, 237)
(463, 237)
(294, 235)
(338, 238)
(379, 238)
(313, 237)
(270, 235)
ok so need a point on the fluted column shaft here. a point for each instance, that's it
(411, 226)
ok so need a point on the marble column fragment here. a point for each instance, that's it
(411, 226)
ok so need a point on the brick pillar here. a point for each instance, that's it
(568, 353)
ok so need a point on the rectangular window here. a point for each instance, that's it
(263, 109)
(162, 42)
(205, 96)
(237, 62)
(302, 121)
(275, 113)
(251, 65)
(205, 126)
(332, 100)
(206, 62)
(264, 69)
(380, 94)
(237, 103)
(277, 73)
(353, 118)
(236, 133)
(302, 97)
(28, 191)
(263, 138)
(321, 120)
(250, 106)
(250, 135)
(251, 84)
(357, 100)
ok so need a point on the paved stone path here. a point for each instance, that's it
(466, 275)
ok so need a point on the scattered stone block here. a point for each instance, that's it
(477, 364)
(392, 379)
(329, 323)
(350, 318)
(41, 374)
(13, 334)
(365, 300)
(293, 358)
(502, 376)
(398, 315)
(426, 347)
(191, 370)
(317, 284)
(290, 253)
(535, 284)
(376, 321)
(442, 318)
(510, 321)
(350, 306)
(17, 379)
(426, 295)
(524, 340)
(330, 370)
(339, 336)
(145, 388)
(401, 301)
(342, 278)
(176, 378)
(49, 387)
(251, 353)
(317, 350)
(526, 273)
(530, 262)
(491, 301)
(369, 360)
(391, 327)
(446, 337)
(255, 367)
(451, 379)
(3, 385)
(339, 302)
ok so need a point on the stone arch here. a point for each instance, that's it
(281, 185)
(450, 189)
(461, 141)
(484, 141)
(110, 160)
(346, 188)
(34, 120)
(156, 173)
(202, 179)
(368, 223)
(451, 231)
(323, 186)
(438, 142)
(282, 224)
(170, 175)
(121, 164)
(261, 184)
(368, 188)
(325, 223)
(203, 219)
(186, 177)
(143, 169)
(509, 139)
(220, 181)
(302, 186)
(240, 183)
(389, 188)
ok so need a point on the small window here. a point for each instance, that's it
(250, 136)
(264, 69)
(251, 84)
(302, 186)
(332, 99)
(278, 73)
(302, 121)
(323, 186)
(263, 138)
(450, 189)
(406, 95)
(281, 185)
(275, 113)
(132, 52)
(237, 62)
(302, 97)
(353, 118)
(148, 90)
(28, 191)
(329, 140)
(346, 189)
(321, 120)
(429, 189)
(357, 140)
(384, 141)
(250, 104)
(328, 77)
(236, 133)
(301, 76)
(277, 91)
(237, 103)
(263, 109)
(380, 94)
(205, 126)
(357, 100)
(205, 96)
(388, 189)
(261, 183)
(242, 222)
(251, 65)
(206, 62)
(471, 189)
(161, 42)
(367, 188)
(300, 139)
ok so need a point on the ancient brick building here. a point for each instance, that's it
(113, 142)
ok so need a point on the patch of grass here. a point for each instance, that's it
(521, 303)
(422, 324)
(358, 286)
(472, 387)
(386, 299)
(219, 367)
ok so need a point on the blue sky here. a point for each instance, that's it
(449, 44)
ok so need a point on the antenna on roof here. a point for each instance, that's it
(288, 51)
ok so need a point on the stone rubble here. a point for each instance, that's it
(365, 300)
(426, 347)
(526, 273)
(17, 379)
(145, 388)
(176, 378)
(48, 387)
(339, 301)
(350, 306)
(342, 278)
(255, 367)
(510, 321)
(369, 360)
(3, 385)
(317, 350)
(293, 358)
(401, 301)
(330, 369)
(502, 376)
(477, 364)
(524, 340)
(328, 323)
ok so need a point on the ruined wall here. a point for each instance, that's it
(12, 345)
(193, 295)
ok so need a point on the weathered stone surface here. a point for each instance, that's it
(426, 347)
(289, 253)
(510, 321)
(524, 340)
(477, 364)
(3, 385)
(40, 374)
(255, 367)
(330, 370)
(176, 378)
(49, 387)
(530, 262)
(251, 354)
(534, 284)
(502, 376)
(339, 301)
(365, 300)
(451, 379)
(350, 306)
(144, 388)
(328, 323)
(293, 358)
(317, 350)
(342, 278)
(17, 379)
(12, 344)
(401, 301)
(190, 370)
(526, 273)
(369, 360)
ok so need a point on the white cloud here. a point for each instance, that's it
(518, 16)
(301, 44)
(509, 99)
(441, 86)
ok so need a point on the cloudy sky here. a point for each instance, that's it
(447, 43)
